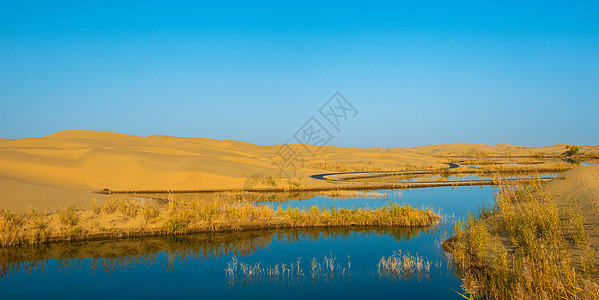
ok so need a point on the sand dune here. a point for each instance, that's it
(580, 187)
(482, 150)
(92, 160)
(17, 195)
(34, 169)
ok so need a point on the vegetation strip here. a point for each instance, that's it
(125, 216)
(369, 187)
(484, 169)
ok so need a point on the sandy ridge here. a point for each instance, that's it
(78, 161)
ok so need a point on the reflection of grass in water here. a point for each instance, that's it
(526, 219)
(116, 255)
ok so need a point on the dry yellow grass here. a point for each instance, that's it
(520, 248)
(343, 194)
(120, 216)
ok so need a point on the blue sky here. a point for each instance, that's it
(425, 73)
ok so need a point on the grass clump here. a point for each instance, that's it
(95, 207)
(129, 207)
(24, 229)
(110, 205)
(11, 225)
(401, 265)
(150, 213)
(478, 239)
(577, 226)
(69, 219)
(179, 221)
(327, 269)
(39, 224)
(344, 194)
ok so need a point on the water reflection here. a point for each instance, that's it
(116, 255)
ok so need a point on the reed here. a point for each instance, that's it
(150, 213)
(344, 194)
(402, 265)
(329, 268)
(129, 206)
(111, 204)
(525, 219)
(119, 216)
(69, 219)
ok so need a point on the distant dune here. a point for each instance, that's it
(93, 160)
(67, 163)
(482, 150)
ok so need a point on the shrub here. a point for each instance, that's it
(572, 150)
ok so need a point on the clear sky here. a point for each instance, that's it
(426, 73)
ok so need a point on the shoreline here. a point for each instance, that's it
(400, 185)
(245, 229)
(537, 234)
(127, 217)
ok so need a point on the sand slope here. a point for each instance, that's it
(20, 196)
(34, 169)
(580, 187)
(92, 160)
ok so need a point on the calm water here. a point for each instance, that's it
(194, 266)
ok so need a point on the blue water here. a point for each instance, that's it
(180, 271)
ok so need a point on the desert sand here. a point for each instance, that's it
(65, 167)
(580, 187)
